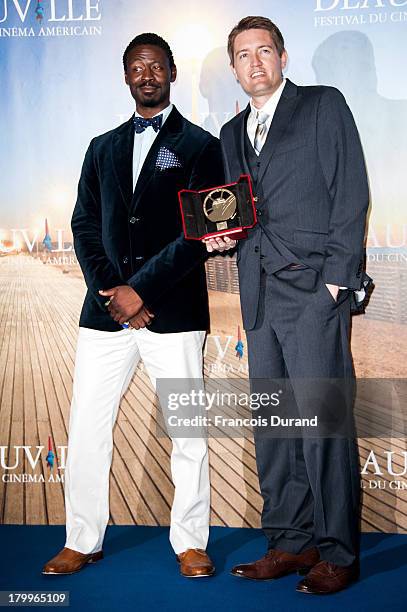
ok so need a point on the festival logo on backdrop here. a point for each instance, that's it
(39, 243)
(331, 13)
(47, 18)
(33, 464)
(384, 469)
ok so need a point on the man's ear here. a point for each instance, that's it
(126, 78)
(234, 71)
(284, 59)
(173, 74)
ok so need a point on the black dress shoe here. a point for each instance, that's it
(277, 563)
(326, 578)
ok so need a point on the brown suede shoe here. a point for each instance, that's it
(195, 563)
(277, 563)
(70, 561)
(325, 578)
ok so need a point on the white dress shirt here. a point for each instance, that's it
(143, 142)
(269, 108)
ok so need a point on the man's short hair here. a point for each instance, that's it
(256, 23)
(148, 38)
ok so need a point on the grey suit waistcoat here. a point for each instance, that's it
(270, 258)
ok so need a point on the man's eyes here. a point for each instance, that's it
(155, 67)
(245, 54)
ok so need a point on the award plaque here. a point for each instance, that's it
(227, 210)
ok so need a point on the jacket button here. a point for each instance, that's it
(258, 213)
(256, 249)
(125, 259)
(134, 220)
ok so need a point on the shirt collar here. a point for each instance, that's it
(270, 106)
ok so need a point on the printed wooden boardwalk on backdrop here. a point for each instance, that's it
(39, 310)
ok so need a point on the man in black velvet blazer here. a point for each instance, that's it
(297, 270)
(146, 299)
(132, 238)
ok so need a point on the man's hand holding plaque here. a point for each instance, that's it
(220, 215)
(224, 243)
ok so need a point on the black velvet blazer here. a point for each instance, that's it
(121, 237)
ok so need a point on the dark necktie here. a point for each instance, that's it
(140, 124)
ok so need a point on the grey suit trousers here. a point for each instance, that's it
(310, 486)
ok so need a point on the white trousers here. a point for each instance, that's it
(104, 366)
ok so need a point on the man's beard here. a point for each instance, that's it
(150, 102)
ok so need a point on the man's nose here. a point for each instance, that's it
(255, 61)
(148, 74)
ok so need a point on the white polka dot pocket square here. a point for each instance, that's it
(166, 159)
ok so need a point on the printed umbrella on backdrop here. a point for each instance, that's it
(239, 346)
(39, 11)
(50, 456)
(47, 240)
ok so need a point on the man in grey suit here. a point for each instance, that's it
(297, 269)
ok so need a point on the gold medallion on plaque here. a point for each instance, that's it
(219, 207)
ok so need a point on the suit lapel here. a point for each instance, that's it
(167, 136)
(284, 111)
(240, 135)
(122, 159)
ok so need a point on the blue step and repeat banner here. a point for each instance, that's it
(62, 83)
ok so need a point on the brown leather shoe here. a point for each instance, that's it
(277, 563)
(195, 563)
(325, 578)
(70, 561)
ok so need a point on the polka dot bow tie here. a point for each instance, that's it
(140, 124)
